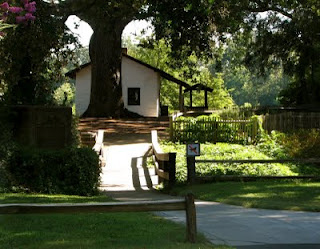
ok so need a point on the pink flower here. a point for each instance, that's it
(30, 17)
(30, 7)
(15, 9)
(20, 19)
(4, 6)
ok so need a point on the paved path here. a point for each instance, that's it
(125, 177)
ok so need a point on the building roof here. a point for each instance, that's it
(198, 87)
(72, 73)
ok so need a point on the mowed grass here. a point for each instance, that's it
(297, 195)
(94, 230)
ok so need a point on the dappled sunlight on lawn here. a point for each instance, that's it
(39, 198)
(296, 195)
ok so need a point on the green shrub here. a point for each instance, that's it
(6, 145)
(72, 171)
(296, 144)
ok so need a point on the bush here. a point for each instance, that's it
(297, 144)
(6, 146)
(72, 171)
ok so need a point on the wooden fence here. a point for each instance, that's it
(192, 177)
(169, 205)
(165, 163)
(288, 121)
(214, 130)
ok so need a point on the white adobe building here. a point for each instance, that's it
(140, 86)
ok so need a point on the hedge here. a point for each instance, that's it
(71, 171)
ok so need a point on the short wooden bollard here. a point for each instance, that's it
(144, 206)
(191, 218)
(191, 169)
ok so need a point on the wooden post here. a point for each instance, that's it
(191, 218)
(191, 164)
(191, 98)
(206, 99)
(254, 129)
(172, 169)
(181, 98)
(171, 132)
(215, 130)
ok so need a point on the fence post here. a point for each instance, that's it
(171, 128)
(215, 130)
(254, 129)
(191, 166)
(172, 169)
(191, 218)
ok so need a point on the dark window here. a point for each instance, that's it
(134, 96)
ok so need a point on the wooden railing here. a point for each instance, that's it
(165, 163)
(192, 178)
(98, 146)
(168, 205)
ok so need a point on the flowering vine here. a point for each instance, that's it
(16, 13)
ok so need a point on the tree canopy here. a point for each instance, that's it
(32, 57)
(288, 32)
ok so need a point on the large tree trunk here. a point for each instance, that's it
(107, 19)
(105, 53)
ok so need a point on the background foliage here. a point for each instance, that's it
(192, 71)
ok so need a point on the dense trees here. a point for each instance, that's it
(32, 55)
(289, 33)
(244, 85)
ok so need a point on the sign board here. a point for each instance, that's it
(193, 149)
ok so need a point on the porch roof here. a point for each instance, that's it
(198, 87)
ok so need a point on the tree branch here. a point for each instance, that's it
(73, 7)
(271, 8)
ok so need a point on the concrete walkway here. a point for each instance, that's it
(126, 178)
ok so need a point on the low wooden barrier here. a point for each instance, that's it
(168, 205)
(165, 163)
(192, 178)
(98, 146)
(99, 136)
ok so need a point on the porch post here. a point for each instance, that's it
(180, 99)
(206, 99)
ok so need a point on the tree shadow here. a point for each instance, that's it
(146, 173)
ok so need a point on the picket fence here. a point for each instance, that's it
(214, 130)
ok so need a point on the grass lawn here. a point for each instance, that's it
(100, 230)
(231, 152)
(285, 195)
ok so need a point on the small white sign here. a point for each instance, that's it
(193, 149)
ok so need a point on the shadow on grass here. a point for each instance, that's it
(120, 230)
(288, 195)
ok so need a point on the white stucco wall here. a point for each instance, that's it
(134, 75)
(83, 88)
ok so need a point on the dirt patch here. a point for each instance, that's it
(125, 128)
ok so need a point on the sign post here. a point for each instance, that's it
(193, 150)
